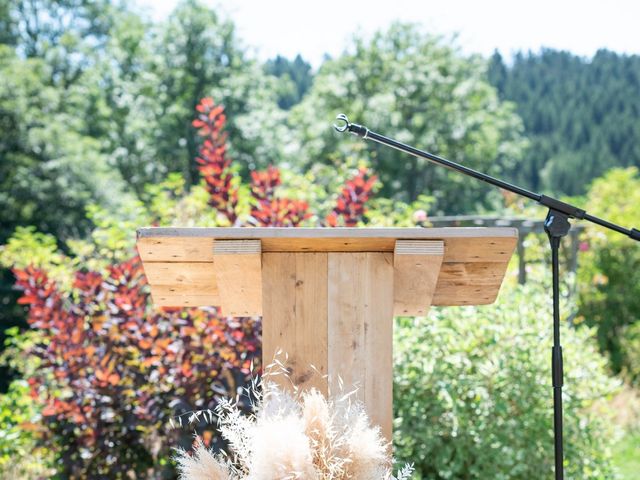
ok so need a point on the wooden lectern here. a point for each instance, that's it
(327, 296)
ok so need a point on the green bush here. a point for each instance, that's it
(21, 455)
(473, 396)
(630, 347)
(609, 277)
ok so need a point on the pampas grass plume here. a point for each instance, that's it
(294, 436)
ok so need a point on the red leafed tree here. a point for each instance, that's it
(351, 203)
(213, 162)
(113, 370)
(270, 210)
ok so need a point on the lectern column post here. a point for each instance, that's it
(332, 313)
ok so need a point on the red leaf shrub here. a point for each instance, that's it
(113, 370)
(270, 211)
(350, 205)
(213, 162)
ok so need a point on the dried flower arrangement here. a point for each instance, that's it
(293, 436)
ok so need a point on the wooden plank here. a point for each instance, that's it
(360, 330)
(469, 283)
(238, 274)
(278, 309)
(185, 295)
(496, 249)
(347, 287)
(160, 300)
(195, 244)
(459, 283)
(294, 317)
(451, 295)
(311, 334)
(181, 249)
(474, 273)
(444, 296)
(175, 249)
(416, 269)
(189, 274)
(378, 333)
(327, 244)
(210, 290)
(418, 233)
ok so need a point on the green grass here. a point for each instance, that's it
(626, 457)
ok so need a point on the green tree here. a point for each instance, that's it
(7, 25)
(138, 83)
(295, 79)
(421, 90)
(52, 163)
(152, 76)
(96, 102)
(497, 71)
(51, 168)
(581, 115)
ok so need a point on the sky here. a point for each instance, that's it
(314, 28)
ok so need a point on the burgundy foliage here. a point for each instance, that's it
(213, 162)
(350, 205)
(113, 370)
(271, 211)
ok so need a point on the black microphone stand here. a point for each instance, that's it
(556, 226)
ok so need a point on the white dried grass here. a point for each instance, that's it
(294, 436)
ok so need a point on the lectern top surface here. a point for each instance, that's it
(320, 233)
(196, 244)
(180, 266)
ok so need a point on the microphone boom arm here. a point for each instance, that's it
(571, 211)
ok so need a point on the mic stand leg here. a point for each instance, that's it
(557, 226)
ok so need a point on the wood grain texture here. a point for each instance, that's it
(182, 295)
(177, 290)
(311, 304)
(175, 249)
(294, 320)
(196, 244)
(235, 233)
(180, 301)
(473, 267)
(179, 249)
(238, 274)
(195, 284)
(476, 273)
(448, 295)
(191, 275)
(360, 313)
(333, 311)
(416, 265)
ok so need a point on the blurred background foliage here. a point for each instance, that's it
(96, 139)
(467, 396)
